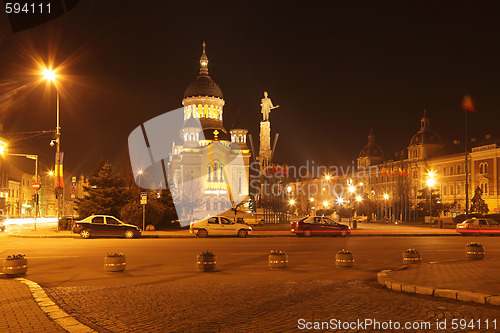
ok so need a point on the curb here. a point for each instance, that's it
(249, 236)
(460, 295)
(53, 311)
(43, 236)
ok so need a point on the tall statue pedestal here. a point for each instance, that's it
(265, 151)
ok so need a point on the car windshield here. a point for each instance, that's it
(469, 221)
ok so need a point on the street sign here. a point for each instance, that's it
(144, 198)
(36, 186)
(73, 187)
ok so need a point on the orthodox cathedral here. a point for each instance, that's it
(208, 166)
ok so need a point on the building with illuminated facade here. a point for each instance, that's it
(394, 185)
(208, 158)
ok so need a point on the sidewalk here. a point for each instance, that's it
(19, 312)
(465, 280)
(273, 230)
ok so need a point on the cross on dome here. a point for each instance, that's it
(204, 62)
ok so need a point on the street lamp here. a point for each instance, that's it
(430, 182)
(386, 197)
(352, 189)
(50, 75)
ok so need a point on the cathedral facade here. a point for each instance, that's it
(208, 165)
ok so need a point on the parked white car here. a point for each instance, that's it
(219, 226)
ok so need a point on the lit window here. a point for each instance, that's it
(216, 167)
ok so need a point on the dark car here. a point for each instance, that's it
(2, 224)
(105, 225)
(319, 225)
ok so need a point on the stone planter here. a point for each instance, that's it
(206, 261)
(411, 256)
(344, 258)
(474, 251)
(115, 262)
(15, 265)
(278, 259)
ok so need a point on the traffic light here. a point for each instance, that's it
(35, 198)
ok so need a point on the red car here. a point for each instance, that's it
(319, 225)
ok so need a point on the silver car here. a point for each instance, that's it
(219, 226)
(478, 226)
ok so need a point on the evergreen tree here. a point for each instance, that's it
(477, 203)
(424, 204)
(160, 209)
(104, 194)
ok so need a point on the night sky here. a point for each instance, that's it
(336, 68)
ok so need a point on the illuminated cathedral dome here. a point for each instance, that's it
(203, 99)
(203, 86)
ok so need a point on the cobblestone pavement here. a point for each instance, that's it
(478, 276)
(20, 313)
(257, 307)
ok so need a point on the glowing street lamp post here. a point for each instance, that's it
(386, 197)
(352, 189)
(430, 182)
(50, 76)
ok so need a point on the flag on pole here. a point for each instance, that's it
(58, 172)
(467, 104)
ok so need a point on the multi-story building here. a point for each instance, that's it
(396, 186)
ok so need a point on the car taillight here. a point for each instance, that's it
(191, 225)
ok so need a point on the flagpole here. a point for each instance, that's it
(58, 162)
(466, 170)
